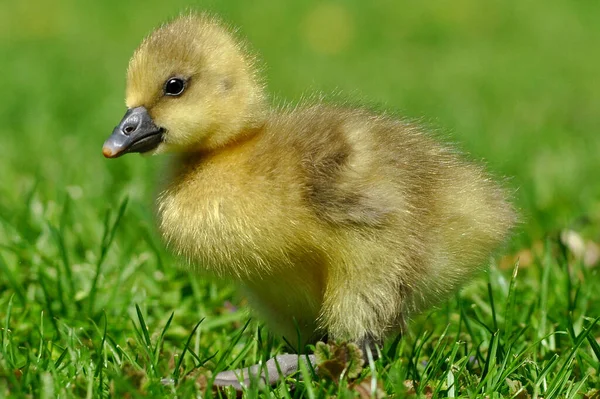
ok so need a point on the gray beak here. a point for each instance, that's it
(135, 133)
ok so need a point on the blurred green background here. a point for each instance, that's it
(513, 82)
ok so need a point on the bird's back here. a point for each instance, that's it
(434, 215)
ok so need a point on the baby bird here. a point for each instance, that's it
(336, 222)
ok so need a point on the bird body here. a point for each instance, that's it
(335, 221)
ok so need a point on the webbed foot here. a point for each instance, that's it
(269, 373)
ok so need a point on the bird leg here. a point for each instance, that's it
(372, 344)
(270, 373)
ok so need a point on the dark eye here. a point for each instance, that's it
(174, 86)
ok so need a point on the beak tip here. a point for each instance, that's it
(107, 152)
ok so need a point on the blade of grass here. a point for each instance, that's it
(100, 349)
(12, 281)
(544, 284)
(185, 349)
(447, 375)
(144, 328)
(561, 377)
(48, 300)
(107, 239)
(306, 376)
(6, 340)
(63, 355)
(542, 376)
(493, 306)
(490, 362)
(162, 336)
(510, 303)
(576, 388)
(66, 264)
(435, 360)
(595, 346)
(231, 345)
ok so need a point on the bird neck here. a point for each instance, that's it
(231, 143)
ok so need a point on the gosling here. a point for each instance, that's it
(336, 222)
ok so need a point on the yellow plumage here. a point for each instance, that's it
(334, 221)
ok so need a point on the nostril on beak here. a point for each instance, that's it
(128, 129)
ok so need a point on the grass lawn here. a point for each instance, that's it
(91, 305)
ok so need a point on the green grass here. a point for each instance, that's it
(90, 303)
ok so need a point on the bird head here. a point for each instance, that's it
(191, 86)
